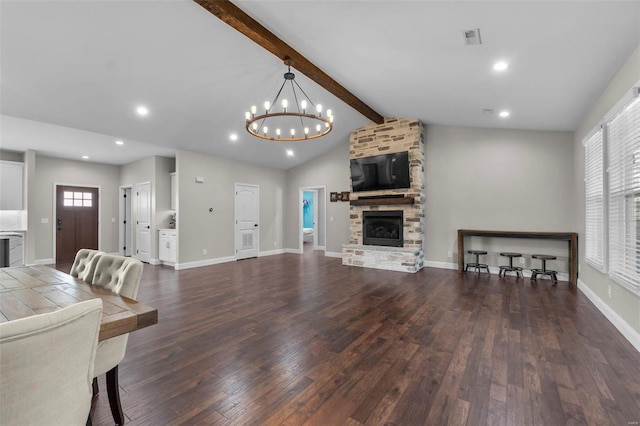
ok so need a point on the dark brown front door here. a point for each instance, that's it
(76, 221)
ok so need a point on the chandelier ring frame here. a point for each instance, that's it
(326, 120)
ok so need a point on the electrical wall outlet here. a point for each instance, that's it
(522, 260)
(275, 244)
(609, 291)
(449, 254)
(204, 251)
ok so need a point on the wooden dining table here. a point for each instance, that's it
(31, 290)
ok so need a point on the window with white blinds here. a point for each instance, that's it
(623, 139)
(594, 200)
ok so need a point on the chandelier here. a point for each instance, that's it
(302, 121)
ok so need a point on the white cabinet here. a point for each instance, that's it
(11, 185)
(174, 190)
(167, 242)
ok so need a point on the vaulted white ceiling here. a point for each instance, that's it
(87, 64)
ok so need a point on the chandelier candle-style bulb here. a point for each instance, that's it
(319, 109)
(265, 129)
(303, 104)
(255, 126)
(306, 130)
(278, 132)
(247, 115)
(293, 132)
(266, 106)
(329, 113)
(318, 128)
(284, 105)
(254, 109)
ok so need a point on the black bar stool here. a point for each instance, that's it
(504, 269)
(477, 265)
(544, 271)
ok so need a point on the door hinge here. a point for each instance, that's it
(124, 221)
(124, 248)
(125, 195)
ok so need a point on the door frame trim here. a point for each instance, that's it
(121, 190)
(55, 212)
(316, 238)
(235, 217)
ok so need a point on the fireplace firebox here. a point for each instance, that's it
(382, 228)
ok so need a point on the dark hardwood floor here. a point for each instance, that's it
(299, 340)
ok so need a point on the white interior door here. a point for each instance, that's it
(247, 221)
(143, 222)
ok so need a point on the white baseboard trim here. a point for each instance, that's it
(155, 262)
(44, 261)
(623, 327)
(206, 262)
(333, 254)
(441, 265)
(293, 251)
(270, 252)
(321, 248)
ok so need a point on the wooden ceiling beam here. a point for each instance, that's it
(238, 19)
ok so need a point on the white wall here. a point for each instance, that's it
(199, 229)
(622, 306)
(46, 171)
(330, 170)
(475, 178)
(493, 179)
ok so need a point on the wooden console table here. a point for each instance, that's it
(570, 237)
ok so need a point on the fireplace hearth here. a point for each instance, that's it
(383, 228)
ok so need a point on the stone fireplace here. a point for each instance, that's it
(387, 226)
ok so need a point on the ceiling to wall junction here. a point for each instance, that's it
(87, 65)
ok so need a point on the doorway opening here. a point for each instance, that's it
(247, 218)
(312, 219)
(76, 212)
(126, 222)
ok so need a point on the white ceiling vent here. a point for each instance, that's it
(472, 37)
(487, 111)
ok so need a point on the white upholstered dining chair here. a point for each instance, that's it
(46, 366)
(84, 264)
(121, 275)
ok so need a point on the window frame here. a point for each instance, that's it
(623, 191)
(596, 198)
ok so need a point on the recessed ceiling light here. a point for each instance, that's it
(85, 157)
(233, 136)
(500, 66)
(504, 114)
(290, 153)
(119, 143)
(142, 110)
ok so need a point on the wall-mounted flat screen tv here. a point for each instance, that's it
(388, 171)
